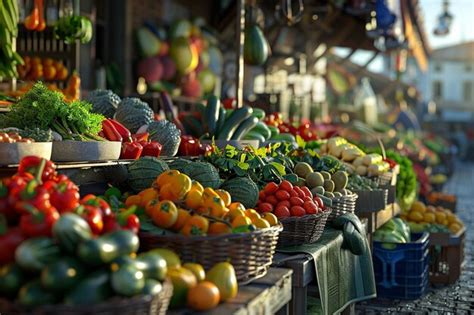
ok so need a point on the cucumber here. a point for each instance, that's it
(128, 280)
(221, 121)
(33, 294)
(212, 113)
(11, 279)
(287, 137)
(233, 122)
(228, 112)
(91, 290)
(244, 127)
(262, 129)
(152, 287)
(254, 136)
(259, 113)
(153, 265)
(274, 131)
(70, 230)
(36, 253)
(62, 274)
(107, 248)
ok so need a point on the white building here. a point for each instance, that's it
(449, 81)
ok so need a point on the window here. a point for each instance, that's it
(437, 68)
(437, 90)
(467, 91)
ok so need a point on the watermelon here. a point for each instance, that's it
(203, 172)
(144, 171)
(179, 164)
(243, 190)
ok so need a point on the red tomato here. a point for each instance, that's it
(294, 193)
(284, 203)
(282, 195)
(271, 200)
(265, 207)
(296, 201)
(306, 198)
(310, 207)
(299, 191)
(270, 188)
(261, 195)
(297, 211)
(307, 192)
(282, 212)
(286, 185)
(319, 201)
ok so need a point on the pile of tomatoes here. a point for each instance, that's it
(303, 129)
(285, 200)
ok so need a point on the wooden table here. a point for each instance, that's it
(270, 294)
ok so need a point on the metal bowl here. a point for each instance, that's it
(76, 151)
(12, 153)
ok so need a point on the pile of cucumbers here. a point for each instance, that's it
(73, 268)
(218, 123)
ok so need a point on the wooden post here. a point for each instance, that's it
(240, 36)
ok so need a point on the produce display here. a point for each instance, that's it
(178, 204)
(423, 217)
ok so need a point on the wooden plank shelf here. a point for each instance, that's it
(267, 295)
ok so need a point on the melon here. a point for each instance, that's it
(243, 190)
(184, 55)
(150, 69)
(144, 171)
(204, 173)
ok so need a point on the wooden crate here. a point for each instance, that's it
(371, 200)
(446, 257)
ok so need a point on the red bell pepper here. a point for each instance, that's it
(33, 164)
(98, 202)
(152, 148)
(229, 103)
(139, 137)
(38, 223)
(33, 195)
(121, 129)
(131, 150)
(93, 217)
(110, 132)
(125, 220)
(10, 239)
(189, 146)
(65, 196)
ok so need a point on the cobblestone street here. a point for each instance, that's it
(455, 299)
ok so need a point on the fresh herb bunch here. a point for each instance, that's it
(45, 109)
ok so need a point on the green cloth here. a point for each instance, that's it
(343, 278)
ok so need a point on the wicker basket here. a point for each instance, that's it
(342, 205)
(139, 305)
(303, 230)
(251, 254)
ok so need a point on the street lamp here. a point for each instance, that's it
(445, 20)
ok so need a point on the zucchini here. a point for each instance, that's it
(233, 122)
(212, 113)
(152, 287)
(228, 112)
(254, 136)
(33, 294)
(262, 129)
(12, 277)
(153, 265)
(128, 280)
(244, 127)
(259, 113)
(70, 230)
(274, 131)
(91, 290)
(221, 121)
(36, 253)
(107, 248)
(286, 137)
(62, 274)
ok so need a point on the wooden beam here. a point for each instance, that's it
(368, 62)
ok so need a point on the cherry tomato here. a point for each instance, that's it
(306, 191)
(286, 185)
(271, 200)
(284, 203)
(310, 207)
(265, 207)
(282, 212)
(282, 195)
(261, 195)
(319, 201)
(270, 188)
(297, 211)
(296, 201)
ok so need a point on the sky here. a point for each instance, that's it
(462, 28)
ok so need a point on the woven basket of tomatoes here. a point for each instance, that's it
(203, 225)
(302, 215)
